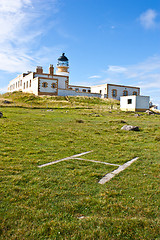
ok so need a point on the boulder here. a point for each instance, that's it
(149, 112)
(79, 121)
(7, 102)
(130, 128)
(122, 121)
(1, 114)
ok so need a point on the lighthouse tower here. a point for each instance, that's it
(62, 65)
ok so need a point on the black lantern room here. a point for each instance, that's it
(63, 61)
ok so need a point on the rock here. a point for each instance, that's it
(79, 121)
(137, 115)
(122, 121)
(6, 102)
(149, 112)
(130, 128)
(1, 114)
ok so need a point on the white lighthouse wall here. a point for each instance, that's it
(35, 86)
(101, 89)
(48, 88)
(142, 103)
(68, 92)
(61, 81)
(134, 103)
(120, 91)
(125, 106)
(27, 82)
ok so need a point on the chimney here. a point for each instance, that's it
(51, 70)
(39, 70)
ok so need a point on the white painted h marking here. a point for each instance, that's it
(107, 177)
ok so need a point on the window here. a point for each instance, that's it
(125, 93)
(21, 83)
(129, 101)
(30, 82)
(89, 90)
(135, 93)
(27, 84)
(24, 85)
(45, 84)
(53, 85)
(100, 91)
(16, 84)
(114, 93)
(84, 90)
(76, 89)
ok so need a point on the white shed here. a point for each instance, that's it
(134, 103)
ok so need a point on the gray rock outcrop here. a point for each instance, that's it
(130, 128)
(149, 112)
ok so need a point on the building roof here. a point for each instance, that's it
(63, 58)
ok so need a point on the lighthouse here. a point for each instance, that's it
(63, 65)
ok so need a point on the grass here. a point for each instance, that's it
(31, 101)
(65, 201)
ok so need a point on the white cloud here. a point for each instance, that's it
(106, 80)
(13, 21)
(145, 75)
(3, 90)
(13, 16)
(148, 19)
(149, 68)
(20, 23)
(116, 69)
(95, 76)
(13, 6)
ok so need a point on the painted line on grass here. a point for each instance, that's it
(109, 176)
(64, 159)
(112, 164)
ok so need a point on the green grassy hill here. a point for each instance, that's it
(30, 100)
(65, 200)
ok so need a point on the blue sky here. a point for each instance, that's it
(106, 41)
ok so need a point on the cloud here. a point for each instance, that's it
(148, 19)
(95, 76)
(13, 16)
(116, 69)
(3, 90)
(20, 32)
(145, 75)
(13, 6)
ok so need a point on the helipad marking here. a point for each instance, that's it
(112, 164)
(109, 176)
(64, 159)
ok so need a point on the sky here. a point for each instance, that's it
(106, 41)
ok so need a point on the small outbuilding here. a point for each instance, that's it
(134, 103)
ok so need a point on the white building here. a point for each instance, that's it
(115, 91)
(40, 83)
(134, 103)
